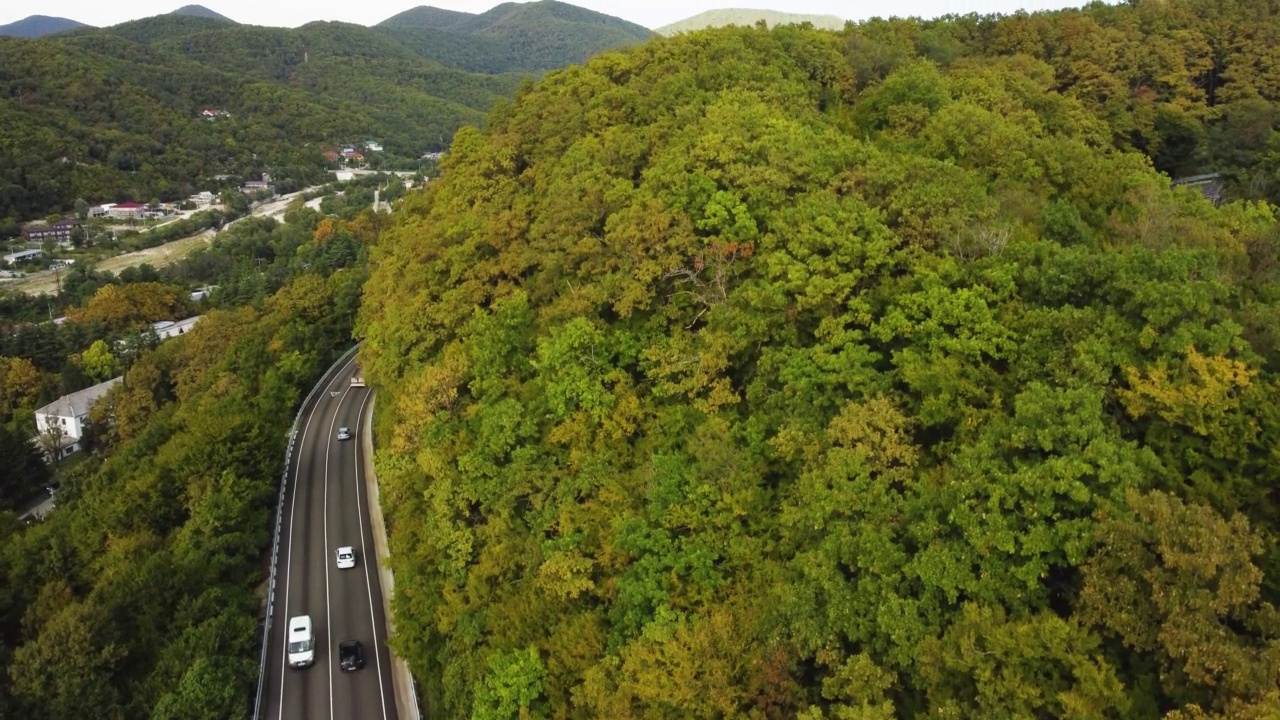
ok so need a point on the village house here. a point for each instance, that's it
(372, 146)
(127, 211)
(163, 330)
(59, 232)
(22, 256)
(214, 113)
(1210, 185)
(64, 420)
(203, 199)
(166, 329)
(252, 186)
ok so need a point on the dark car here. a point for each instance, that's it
(350, 655)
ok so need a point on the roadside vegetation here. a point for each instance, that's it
(139, 596)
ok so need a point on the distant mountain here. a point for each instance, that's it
(200, 11)
(512, 37)
(39, 26)
(747, 17)
(425, 16)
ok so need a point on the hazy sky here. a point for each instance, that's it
(650, 13)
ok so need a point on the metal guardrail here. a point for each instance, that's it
(269, 600)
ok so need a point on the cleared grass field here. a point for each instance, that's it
(46, 281)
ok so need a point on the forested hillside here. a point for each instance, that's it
(115, 114)
(873, 374)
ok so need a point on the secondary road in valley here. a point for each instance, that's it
(326, 507)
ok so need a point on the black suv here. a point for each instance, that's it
(350, 655)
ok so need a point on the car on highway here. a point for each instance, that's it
(302, 642)
(346, 557)
(344, 434)
(350, 655)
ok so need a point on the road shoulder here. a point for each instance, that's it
(401, 678)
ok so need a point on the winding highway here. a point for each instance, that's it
(326, 507)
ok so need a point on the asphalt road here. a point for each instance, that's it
(326, 507)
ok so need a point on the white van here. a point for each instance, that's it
(302, 642)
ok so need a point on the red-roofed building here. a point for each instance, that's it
(127, 210)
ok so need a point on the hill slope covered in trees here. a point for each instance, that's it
(114, 114)
(878, 374)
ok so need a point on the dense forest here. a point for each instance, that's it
(114, 114)
(139, 596)
(872, 374)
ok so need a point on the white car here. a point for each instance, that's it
(344, 434)
(346, 557)
(302, 642)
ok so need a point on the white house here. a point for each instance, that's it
(203, 199)
(14, 258)
(166, 329)
(66, 417)
(372, 146)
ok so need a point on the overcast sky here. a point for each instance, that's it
(650, 13)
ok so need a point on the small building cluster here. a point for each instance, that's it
(128, 211)
(352, 154)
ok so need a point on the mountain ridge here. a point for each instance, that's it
(34, 26)
(537, 36)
